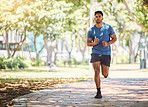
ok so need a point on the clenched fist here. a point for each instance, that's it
(104, 43)
(96, 40)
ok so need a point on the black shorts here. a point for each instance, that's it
(104, 59)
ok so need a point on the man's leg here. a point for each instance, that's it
(96, 66)
(105, 70)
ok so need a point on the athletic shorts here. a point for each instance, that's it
(104, 59)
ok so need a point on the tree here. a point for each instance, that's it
(145, 3)
(10, 21)
(76, 26)
(69, 35)
(134, 17)
(81, 28)
(54, 17)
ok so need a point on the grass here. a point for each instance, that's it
(42, 72)
(15, 83)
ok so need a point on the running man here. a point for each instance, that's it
(100, 37)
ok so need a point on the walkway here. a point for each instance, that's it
(123, 88)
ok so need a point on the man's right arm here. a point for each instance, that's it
(91, 43)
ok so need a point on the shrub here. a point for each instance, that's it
(21, 63)
(2, 63)
(15, 63)
(123, 59)
(12, 64)
(37, 62)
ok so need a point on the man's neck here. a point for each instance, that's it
(99, 24)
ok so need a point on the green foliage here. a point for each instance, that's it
(141, 15)
(127, 39)
(59, 62)
(2, 63)
(12, 63)
(21, 62)
(37, 62)
(123, 59)
(119, 1)
(73, 62)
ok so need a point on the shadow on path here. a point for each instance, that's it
(116, 93)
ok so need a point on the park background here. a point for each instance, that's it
(36, 33)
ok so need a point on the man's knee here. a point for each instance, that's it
(105, 75)
(97, 73)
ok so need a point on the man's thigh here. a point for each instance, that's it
(96, 66)
(104, 69)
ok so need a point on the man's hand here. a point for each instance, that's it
(96, 40)
(90, 42)
(104, 43)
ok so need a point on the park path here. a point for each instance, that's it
(125, 87)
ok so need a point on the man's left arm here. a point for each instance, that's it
(114, 39)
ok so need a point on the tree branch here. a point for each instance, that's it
(131, 14)
(41, 49)
(18, 45)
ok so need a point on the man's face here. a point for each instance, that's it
(98, 18)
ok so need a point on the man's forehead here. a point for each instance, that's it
(98, 14)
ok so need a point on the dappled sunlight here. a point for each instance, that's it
(114, 91)
(126, 89)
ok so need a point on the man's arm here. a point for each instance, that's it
(90, 43)
(114, 39)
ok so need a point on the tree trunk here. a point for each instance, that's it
(130, 51)
(69, 51)
(34, 42)
(29, 50)
(114, 50)
(137, 51)
(69, 61)
(82, 50)
(7, 43)
(48, 50)
(83, 56)
(55, 53)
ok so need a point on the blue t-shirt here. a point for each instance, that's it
(103, 34)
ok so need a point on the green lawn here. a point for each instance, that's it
(43, 73)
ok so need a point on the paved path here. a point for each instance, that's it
(124, 91)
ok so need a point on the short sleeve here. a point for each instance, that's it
(111, 30)
(89, 34)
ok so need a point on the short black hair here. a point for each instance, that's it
(99, 12)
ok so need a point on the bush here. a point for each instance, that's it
(37, 62)
(72, 62)
(123, 59)
(21, 63)
(11, 64)
(15, 63)
(2, 63)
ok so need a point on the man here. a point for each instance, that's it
(99, 38)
